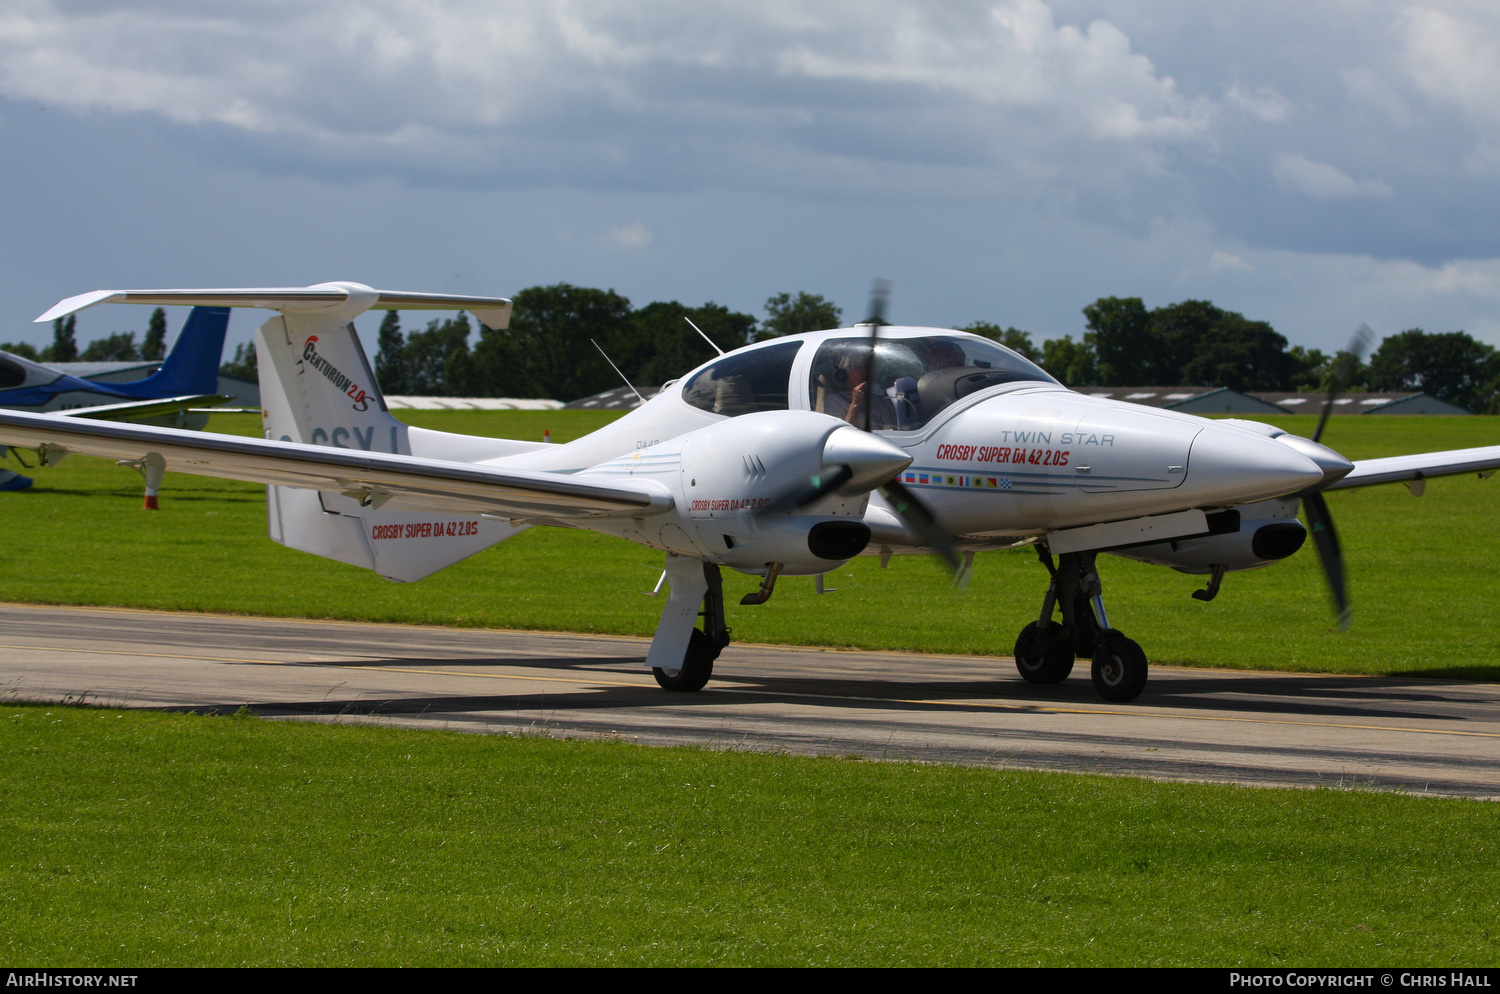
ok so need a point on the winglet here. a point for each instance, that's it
(74, 304)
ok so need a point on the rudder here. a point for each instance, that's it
(316, 386)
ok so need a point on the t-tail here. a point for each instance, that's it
(317, 387)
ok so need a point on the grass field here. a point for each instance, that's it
(150, 839)
(1424, 570)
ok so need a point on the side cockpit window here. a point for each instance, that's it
(12, 373)
(904, 382)
(744, 382)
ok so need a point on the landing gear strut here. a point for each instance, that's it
(1045, 649)
(695, 657)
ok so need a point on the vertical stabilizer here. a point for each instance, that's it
(192, 367)
(316, 386)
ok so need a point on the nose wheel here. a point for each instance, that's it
(697, 665)
(1045, 650)
(704, 644)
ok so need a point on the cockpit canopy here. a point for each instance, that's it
(12, 373)
(744, 382)
(912, 378)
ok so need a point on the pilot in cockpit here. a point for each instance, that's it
(845, 391)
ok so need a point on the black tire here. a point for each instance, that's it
(1119, 668)
(1044, 658)
(697, 665)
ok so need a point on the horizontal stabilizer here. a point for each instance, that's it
(354, 298)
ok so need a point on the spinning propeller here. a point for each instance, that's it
(907, 505)
(903, 501)
(1319, 518)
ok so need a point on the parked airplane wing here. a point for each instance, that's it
(140, 410)
(1397, 469)
(373, 477)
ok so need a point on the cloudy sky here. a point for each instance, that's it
(1312, 163)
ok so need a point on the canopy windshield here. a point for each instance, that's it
(910, 379)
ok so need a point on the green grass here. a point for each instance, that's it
(1424, 573)
(160, 839)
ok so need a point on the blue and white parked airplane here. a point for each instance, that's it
(189, 378)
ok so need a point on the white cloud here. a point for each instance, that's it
(1321, 181)
(1453, 56)
(1264, 102)
(1221, 262)
(1012, 54)
(641, 94)
(634, 236)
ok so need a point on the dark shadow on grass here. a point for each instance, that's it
(1475, 673)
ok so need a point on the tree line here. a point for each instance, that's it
(1195, 344)
(550, 350)
(560, 335)
(118, 347)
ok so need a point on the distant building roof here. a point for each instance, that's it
(618, 399)
(1364, 403)
(471, 404)
(1192, 400)
(1223, 400)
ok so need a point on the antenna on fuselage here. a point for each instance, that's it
(617, 370)
(699, 330)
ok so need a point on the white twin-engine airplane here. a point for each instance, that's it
(790, 456)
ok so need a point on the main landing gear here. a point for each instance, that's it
(1045, 649)
(682, 655)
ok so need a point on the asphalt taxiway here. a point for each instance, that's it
(1411, 735)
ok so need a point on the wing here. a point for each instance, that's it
(1395, 469)
(493, 311)
(374, 478)
(141, 410)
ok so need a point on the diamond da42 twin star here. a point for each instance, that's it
(786, 457)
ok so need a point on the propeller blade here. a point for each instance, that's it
(816, 488)
(911, 510)
(1344, 372)
(880, 295)
(1327, 540)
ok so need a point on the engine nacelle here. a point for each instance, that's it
(727, 479)
(1246, 537)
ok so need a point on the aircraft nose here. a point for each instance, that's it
(1334, 466)
(1236, 466)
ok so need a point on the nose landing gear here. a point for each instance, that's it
(1045, 649)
